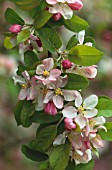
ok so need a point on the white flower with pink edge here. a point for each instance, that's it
(46, 73)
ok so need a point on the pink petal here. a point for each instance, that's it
(22, 94)
(48, 64)
(58, 101)
(55, 73)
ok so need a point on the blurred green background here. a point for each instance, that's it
(98, 14)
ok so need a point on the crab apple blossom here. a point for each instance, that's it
(58, 95)
(50, 108)
(46, 73)
(15, 28)
(83, 112)
(89, 72)
(63, 9)
(77, 5)
(28, 86)
(66, 64)
(33, 42)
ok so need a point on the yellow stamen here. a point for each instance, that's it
(58, 92)
(46, 73)
(81, 109)
(44, 91)
(24, 86)
(92, 123)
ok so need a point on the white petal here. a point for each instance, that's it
(40, 69)
(26, 75)
(69, 112)
(58, 101)
(78, 100)
(99, 120)
(18, 79)
(90, 102)
(68, 95)
(81, 120)
(60, 139)
(90, 113)
(48, 96)
(80, 36)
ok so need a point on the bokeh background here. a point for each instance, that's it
(98, 13)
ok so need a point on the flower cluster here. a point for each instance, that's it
(64, 8)
(82, 126)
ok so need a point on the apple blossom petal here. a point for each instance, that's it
(99, 120)
(51, 1)
(64, 80)
(69, 112)
(32, 93)
(90, 113)
(22, 94)
(60, 139)
(18, 79)
(39, 104)
(90, 102)
(48, 64)
(78, 99)
(97, 142)
(55, 73)
(88, 44)
(26, 75)
(81, 121)
(41, 78)
(68, 95)
(40, 69)
(80, 36)
(58, 101)
(48, 97)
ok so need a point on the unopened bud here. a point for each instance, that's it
(76, 6)
(69, 124)
(57, 16)
(66, 64)
(50, 108)
(15, 28)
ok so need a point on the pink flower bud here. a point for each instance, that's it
(69, 125)
(76, 6)
(66, 64)
(50, 108)
(87, 144)
(90, 72)
(15, 28)
(57, 16)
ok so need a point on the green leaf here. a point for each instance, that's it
(106, 135)
(72, 42)
(108, 125)
(17, 112)
(104, 106)
(21, 68)
(59, 156)
(88, 166)
(26, 112)
(45, 138)
(27, 5)
(7, 43)
(23, 36)
(76, 82)
(90, 39)
(13, 18)
(75, 24)
(44, 166)
(33, 155)
(42, 19)
(85, 55)
(50, 39)
(30, 58)
(41, 117)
